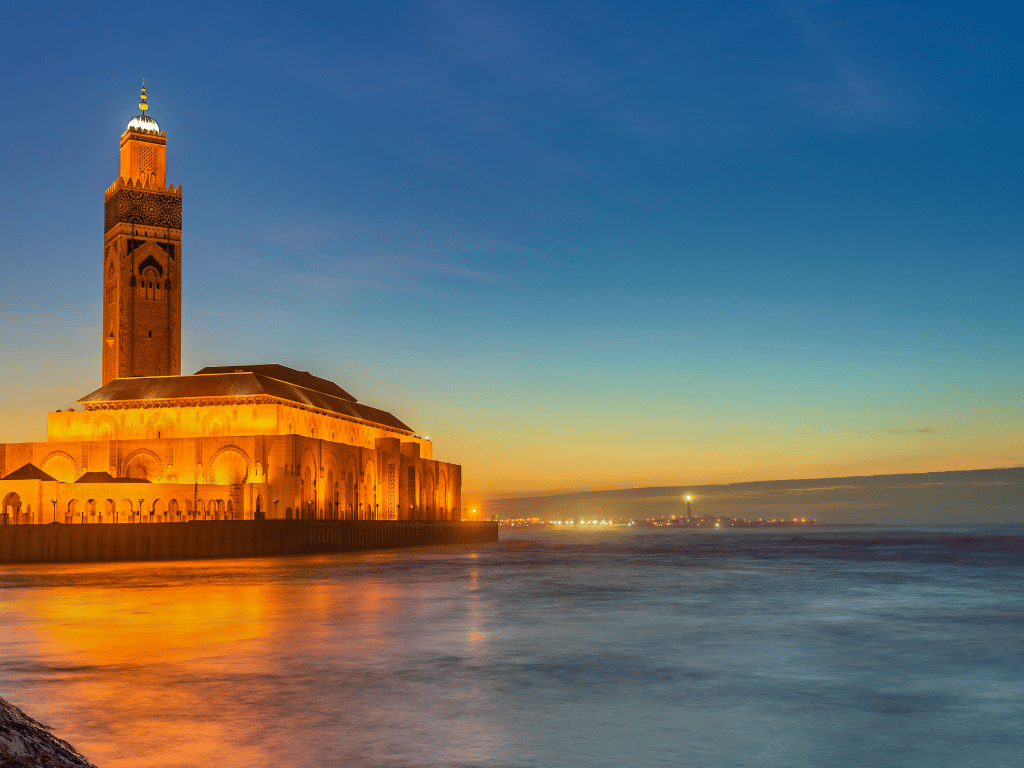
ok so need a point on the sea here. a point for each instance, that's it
(611, 647)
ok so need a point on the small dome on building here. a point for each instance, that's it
(144, 123)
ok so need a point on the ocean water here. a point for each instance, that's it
(824, 647)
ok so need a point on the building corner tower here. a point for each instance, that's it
(142, 259)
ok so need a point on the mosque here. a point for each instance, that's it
(236, 442)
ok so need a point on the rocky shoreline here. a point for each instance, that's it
(26, 743)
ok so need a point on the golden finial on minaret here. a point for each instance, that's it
(142, 104)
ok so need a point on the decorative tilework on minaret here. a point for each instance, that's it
(142, 258)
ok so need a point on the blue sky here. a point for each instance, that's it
(580, 245)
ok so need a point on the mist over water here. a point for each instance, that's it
(815, 647)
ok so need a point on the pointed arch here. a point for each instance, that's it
(104, 427)
(143, 464)
(429, 503)
(228, 466)
(11, 509)
(159, 425)
(61, 466)
(216, 423)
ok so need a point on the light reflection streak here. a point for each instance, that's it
(239, 663)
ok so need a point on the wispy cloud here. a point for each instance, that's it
(215, 312)
(846, 90)
(393, 273)
(483, 35)
(899, 431)
(342, 254)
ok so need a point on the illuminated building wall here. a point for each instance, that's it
(230, 442)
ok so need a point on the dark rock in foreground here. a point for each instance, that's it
(24, 743)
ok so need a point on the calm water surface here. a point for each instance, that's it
(863, 647)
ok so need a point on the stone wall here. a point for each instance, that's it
(285, 476)
(240, 538)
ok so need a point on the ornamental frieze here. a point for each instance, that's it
(130, 405)
(142, 208)
(144, 137)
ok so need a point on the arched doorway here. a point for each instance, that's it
(428, 496)
(144, 466)
(442, 487)
(368, 496)
(307, 489)
(329, 496)
(11, 509)
(350, 495)
(60, 467)
(229, 466)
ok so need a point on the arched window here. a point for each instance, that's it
(149, 286)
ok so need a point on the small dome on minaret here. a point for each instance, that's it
(143, 122)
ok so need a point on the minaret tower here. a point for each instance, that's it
(142, 258)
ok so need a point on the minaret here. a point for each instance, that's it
(142, 258)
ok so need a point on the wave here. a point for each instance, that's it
(925, 546)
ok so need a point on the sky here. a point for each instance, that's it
(580, 245)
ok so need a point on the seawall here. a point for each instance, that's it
(227, 538)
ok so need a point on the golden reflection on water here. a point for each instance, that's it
(474, 632)
(127, 627)
(226, 663)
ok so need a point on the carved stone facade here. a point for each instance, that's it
(236, 477)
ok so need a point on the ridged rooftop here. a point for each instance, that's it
(228, 382)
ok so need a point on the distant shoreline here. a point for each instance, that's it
(960, 497)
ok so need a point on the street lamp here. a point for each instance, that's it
(275, 507)
(54, 502)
